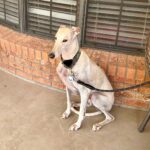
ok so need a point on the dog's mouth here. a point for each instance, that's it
(51, 55)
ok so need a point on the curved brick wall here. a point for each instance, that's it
(26, 56)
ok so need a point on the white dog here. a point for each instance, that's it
(76, 63)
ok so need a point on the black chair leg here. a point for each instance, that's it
(144, 122)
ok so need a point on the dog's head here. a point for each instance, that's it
(64, 39)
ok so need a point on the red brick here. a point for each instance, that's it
(5, 66)
(57, 85)
(11, 61)
(36, 66)
(46, 75)
(144, 90)
(38, 55)
(31, 54)
(104, 56)
(23, 74)
(7, 45)
(46, 68)
(118, 100)
(24, 52)
(56, 79)
(103, 65)
(112, 70)
(113, 59)
(41, 80)
(95, 53)
(18, 51)
(5, 60)
(131, 62)
(134, 103)
(127, 94)
(27, 63)
(18, 67)
(140, 75)
(18, 63)
(122, 60)
(44, 58)
(140, 63)
(119, 79)
(3, 44)
(37, 73)
(3, 54)
(121, 71)
(119, 85)
(13, 48)
(27, 70)
(11, 69)
(131, 75)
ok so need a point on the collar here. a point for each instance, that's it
(70, 63)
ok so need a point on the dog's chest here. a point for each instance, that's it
(68, 76)
(64, 72)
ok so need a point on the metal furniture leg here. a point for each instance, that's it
(144, 122)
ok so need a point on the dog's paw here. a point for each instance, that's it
(74, 127)
(96, 127)
(65, 115)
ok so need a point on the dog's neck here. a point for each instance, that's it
(70, 59)
(70, 63)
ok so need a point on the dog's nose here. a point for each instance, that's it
(51, 55)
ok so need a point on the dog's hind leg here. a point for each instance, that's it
(102, 106)
(68, 110)
(109, 118)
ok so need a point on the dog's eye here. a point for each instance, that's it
(65, 40)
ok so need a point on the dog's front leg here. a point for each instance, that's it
(68, 110)
(84, 99)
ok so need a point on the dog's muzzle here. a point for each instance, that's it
(51, 55)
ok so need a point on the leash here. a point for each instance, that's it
(69, 64)
(113, 90)
(72, 77)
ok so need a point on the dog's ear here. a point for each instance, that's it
(76, 31)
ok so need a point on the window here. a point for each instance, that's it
(45, 16)
(117, 24)
(9, 12)
(109, 24)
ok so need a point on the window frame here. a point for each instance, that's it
(107, 47)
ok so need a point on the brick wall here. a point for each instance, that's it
(26, 56)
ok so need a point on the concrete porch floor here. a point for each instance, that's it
(30, 120)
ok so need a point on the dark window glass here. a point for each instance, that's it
(9, 12)
(117, 24)
(45, 16)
